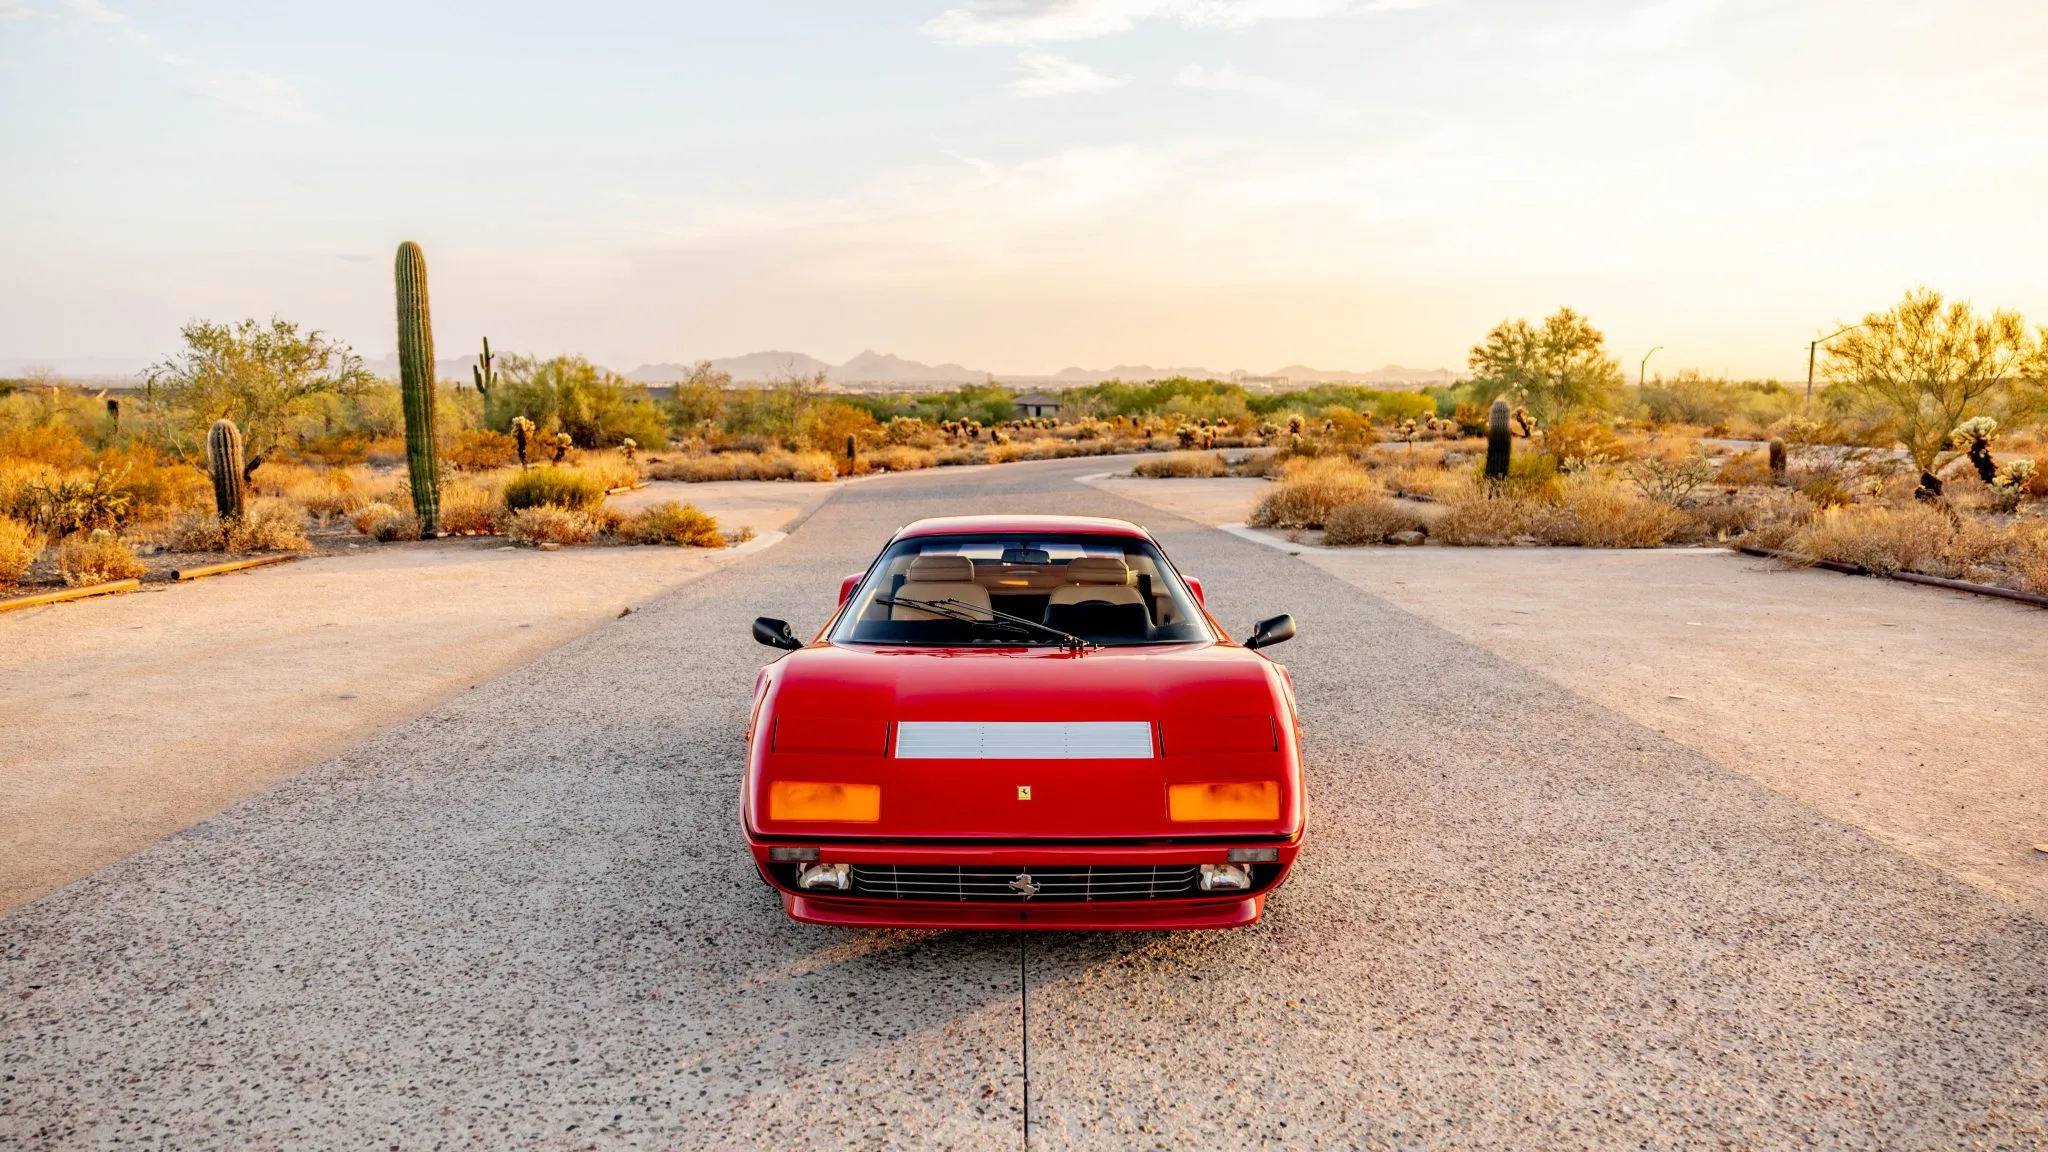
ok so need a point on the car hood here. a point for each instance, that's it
(954, 737)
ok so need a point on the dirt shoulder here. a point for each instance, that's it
(131, 717)
(1910, 713)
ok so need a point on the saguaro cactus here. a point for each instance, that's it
(1498, 440)
(416, 382)
(224, 460)
(481, 372)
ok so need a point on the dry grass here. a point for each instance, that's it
(470, 507)
(1184, 465)
(674, 523)
(20, 547)
(1930, 540)
(610, 470)
(897, 458)
(807, 466)
(96, 558)
(1311, 490)
(1372, 520)
(1591, 515)
(270, 525)
(568, 488)
(548, 524)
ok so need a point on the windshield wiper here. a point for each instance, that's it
(952, 609)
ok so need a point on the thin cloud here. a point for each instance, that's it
(1296, 98)
(12, 11)
(236, 89)
(1045, 21)
(1044, 74)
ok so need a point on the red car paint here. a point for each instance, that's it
(1218, 712)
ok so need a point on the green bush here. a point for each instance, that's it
(557, 486)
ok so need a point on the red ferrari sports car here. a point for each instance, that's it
(1023, 722)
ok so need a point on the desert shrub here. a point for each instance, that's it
(96, 557)
(1914, 538)
(899, 458)
(672, 522)
(1369, 521)
(362, 518)
(547, 524)
(396, 525)
(612, 471)
(1591, 514)
(336, 450)
(20, 546)
(1531, 476)
(1600, 515)
(561, 487)
(471, 507)
(480, 450)
(1310, 490)
(326, 494)
(771, 465)
(1184, 465)
(1577, 444)
(269, 525)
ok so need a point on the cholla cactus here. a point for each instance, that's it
(2015, 475)
(1974, 436)
(563, 443)
(630, 448)
(522, 436)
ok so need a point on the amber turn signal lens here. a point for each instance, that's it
(1250, 800)
(801, 800)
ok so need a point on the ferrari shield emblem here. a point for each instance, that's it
(1023, 791)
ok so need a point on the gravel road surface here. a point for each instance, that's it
(526, 920)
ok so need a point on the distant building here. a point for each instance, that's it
(1033, 405)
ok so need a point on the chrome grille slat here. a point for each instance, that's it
(1066, 883)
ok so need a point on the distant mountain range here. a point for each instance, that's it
(872, 368)
(868, 370)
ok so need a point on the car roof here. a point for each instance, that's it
(1026, 525)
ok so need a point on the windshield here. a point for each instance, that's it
(956, 591)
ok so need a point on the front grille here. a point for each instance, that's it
(1017, 885)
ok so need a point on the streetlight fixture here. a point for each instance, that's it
(1645, 365)
(1813, 348)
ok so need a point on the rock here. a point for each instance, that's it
(1408, 539)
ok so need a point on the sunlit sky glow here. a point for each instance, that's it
(1020, 185)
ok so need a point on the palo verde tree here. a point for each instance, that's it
(1555, 370)
(1928, 365)
(258, 375)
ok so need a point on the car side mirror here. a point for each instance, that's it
(1267, 633)
(775, 634)
(847, 585)
(1195, 586)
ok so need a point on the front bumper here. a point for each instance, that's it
(1060, 903)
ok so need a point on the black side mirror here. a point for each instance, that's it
(776, 634)
(1265, 633)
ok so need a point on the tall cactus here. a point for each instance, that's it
(482, 374)
(224, 460)
(1498, 446)
(416, 381)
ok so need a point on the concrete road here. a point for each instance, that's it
(525, 919)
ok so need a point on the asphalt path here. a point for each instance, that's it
(526, 919)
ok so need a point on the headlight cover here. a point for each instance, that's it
(1244, 800)
(804, 800)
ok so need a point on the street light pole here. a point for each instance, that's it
(1813, 349)
(1645, 365)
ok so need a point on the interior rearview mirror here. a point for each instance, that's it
(775, 633)
(1266, 633)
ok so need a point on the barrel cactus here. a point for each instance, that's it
(1775, 454)
(224, 461)
(416, 382)
(1498, 440)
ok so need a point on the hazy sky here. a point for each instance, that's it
(1019, 184)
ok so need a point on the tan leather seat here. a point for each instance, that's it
(938, 578)
(1097, 580)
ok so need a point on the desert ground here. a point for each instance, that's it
(1582, 873)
